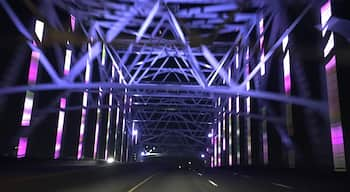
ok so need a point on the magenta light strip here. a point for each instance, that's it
(248, 108)
(33, 68)
(215, 151)
(72, 22)
(82, 129)
(262, 58)
(230, 159)
(326, 13)
(238, 148)
(27, 111)
(97, 126)
(337, 137)
(60, 128)
(67, 62)
(224, 127)
(22, 147)
(333, 97)
(224, 131)
(219, 136)
(331, 65)
(63, 100)
(61, 114)
(287, 77)
(85, 102)
(29, 98)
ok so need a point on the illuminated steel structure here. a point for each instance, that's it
(337, 137)
(169, 73)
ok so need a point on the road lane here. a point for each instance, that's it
(156, 178)
(176, 181)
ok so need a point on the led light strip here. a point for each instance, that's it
(63, 100)
(248, 108)
(97, 126)
(262, 57)
(238, 148)
(287, 91)
(29, 98)
(337, 137)
(110, 102)
(230, 160)
(219, 136)
(84, 108)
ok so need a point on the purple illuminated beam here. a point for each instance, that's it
(182, 70)
(198, 74)
(81, 64)
(151, 65)
(218, 66)
(177, 27)
(119, 26)
(274, 47)
(115, 65)
(46, 64)
(148, 20)
(317, 105)
(48, 67)
(22, 147)
(60, 128)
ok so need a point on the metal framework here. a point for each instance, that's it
(173, 71)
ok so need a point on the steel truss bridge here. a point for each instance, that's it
(182, 76)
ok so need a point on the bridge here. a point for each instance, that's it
(185, 95)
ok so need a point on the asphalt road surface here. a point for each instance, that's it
(155, 178)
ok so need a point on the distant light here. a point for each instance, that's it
(110, 160)
(134, 132)
(210, 135)
(154, 148)
(179, 166)
(146, 146)
(202, 155)
(142, 153)
(189, 162)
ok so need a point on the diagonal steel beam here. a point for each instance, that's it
(148, 20)
(218, 66)
(274, 48)
(79, 66)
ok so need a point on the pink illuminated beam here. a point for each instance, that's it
(60, 125)
(22, 147)
(29, 98)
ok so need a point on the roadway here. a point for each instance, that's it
(150, 177)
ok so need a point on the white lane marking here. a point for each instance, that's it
(213, 183)
(141, 183)
(200, 174)
(281, 185)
